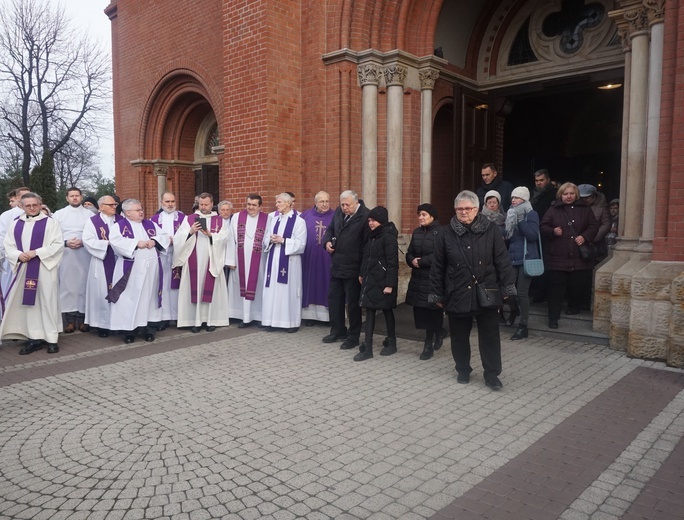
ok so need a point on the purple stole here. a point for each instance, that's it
(282, 260)
(209, 279)
(109, 259)
(176, 271)
(248, 289)
(120, 286)
(33, 265)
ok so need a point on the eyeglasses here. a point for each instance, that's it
(464, 210)
(108, 204)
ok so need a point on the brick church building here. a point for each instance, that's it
(404, 100)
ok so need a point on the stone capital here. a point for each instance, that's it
(369, 74)
(655, 10)
(395, 75)
(428, 77)
(161, 170)
(637, 21)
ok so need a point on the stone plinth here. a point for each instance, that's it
(621, 300)
(675, 347)
(603, 287)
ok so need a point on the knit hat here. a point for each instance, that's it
(379, 214)
(614, 202)
(92, 200)
(586, 190)
(493, 193)
(429, 209)
(522, 193)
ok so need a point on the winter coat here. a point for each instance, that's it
(504, 188)
(562, 253)
(542, 201)
(528, 228)
(380, 268)
(422, 246)
(349, 241)
(450, 280)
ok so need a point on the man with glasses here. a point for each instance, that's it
(102, 263)
(34, 247)
(344, 241)
(136, 293)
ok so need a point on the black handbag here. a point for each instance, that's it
(488, 294)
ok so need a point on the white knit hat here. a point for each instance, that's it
(493, 193)
(521, 192)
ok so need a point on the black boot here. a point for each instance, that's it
(390, 348)
(427, 350)
(439, 338)
(365, 352)
(515, 312)
(520, 333)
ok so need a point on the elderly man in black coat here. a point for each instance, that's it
(471, 251)
(344, 240)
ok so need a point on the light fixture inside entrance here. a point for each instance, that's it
(610, 86)
(483, 106)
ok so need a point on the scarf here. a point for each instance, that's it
(497, 217)
(516, 214)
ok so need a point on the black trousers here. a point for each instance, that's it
(341, 291)
(488, 340)
(577, 285)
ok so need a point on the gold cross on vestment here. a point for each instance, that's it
(30, 284)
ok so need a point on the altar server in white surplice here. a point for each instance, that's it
(284, 244)
(246, 259)
(169, 219)
(200, 249)
(34, 247)
(102, 263)
(137, 290)
(74, 266)
(6, 218)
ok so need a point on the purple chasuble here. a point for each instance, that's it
(177, 221)
(248, 287)
(283, 260)
(120, 286)
(209, 279)
(109, 261)
(316, 261)
(33, 265)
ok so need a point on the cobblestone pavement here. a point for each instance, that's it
(246, 424)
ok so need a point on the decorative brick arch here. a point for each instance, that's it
(178, 98)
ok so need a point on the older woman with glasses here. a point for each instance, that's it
(471, 251)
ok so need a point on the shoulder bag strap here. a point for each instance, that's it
(460, 245)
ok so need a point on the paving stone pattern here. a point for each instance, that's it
(255, 425)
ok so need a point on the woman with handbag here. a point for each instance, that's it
(522, 232)
(419, 256)
(469, 269)
(568, 227)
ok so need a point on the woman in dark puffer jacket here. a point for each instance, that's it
(426, 315)
(566, 225)
(379, 280)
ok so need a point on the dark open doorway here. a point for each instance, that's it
(576, 135)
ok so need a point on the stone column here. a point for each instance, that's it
(369, 78)
(637, 20)
(427, 83)
(161, 171)
(394, 79)
(655, 11)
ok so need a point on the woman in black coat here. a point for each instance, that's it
(426, 315)
(566, 225)
(471, 242)
(379, 280)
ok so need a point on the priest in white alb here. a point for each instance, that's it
(137, 288)
(200, 247)
(246, 258)
(284, 243)
(33, 245)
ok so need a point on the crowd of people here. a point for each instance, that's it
(102, 265)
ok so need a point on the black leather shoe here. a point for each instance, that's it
(129, 338)
(463, 378)
(195, 330)
(103, 333)
(211, 328)
(52, 348)
(553, 324)
(363, 356)
(521, 333)
(332, 338)
(493, 383)
(388, 350)
(149, 337)
(31, 346)
(349, 344)
(572, 312)
(292, 330)
(243, 325)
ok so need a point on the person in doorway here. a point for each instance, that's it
(491, 180)
(543, 193)
(494, 212)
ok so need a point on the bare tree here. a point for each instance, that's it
(53, 83)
